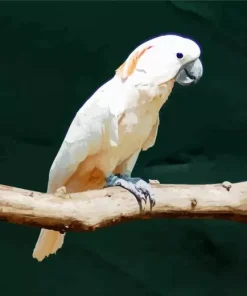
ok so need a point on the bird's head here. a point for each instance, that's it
(162, 59)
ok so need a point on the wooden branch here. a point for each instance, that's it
(90, 210)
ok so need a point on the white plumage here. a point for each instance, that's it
(119, 121)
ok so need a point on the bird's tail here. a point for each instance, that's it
(48, 243)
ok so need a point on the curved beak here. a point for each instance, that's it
(190, 73)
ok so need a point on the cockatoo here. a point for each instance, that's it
(117, 122)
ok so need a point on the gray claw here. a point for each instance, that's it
(146, 190)
(138, 187)
(131, 188)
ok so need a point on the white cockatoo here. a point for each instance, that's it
(117, 122)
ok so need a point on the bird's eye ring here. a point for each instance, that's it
(179, 55)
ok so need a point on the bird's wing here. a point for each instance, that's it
(93, 126)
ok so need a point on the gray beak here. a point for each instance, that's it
(190, 73)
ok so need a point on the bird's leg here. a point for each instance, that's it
(138, 187)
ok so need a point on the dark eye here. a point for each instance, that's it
(179, 55)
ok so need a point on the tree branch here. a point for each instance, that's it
(89, 210)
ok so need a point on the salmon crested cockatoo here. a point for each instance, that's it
(120, 120)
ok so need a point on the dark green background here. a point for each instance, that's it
(53, 56)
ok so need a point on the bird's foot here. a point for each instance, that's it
(138, 187)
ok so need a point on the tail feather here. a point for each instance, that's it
(48, 243)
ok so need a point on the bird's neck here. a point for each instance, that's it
(135, 96)
(152, 95)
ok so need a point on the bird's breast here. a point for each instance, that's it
(134, 127)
